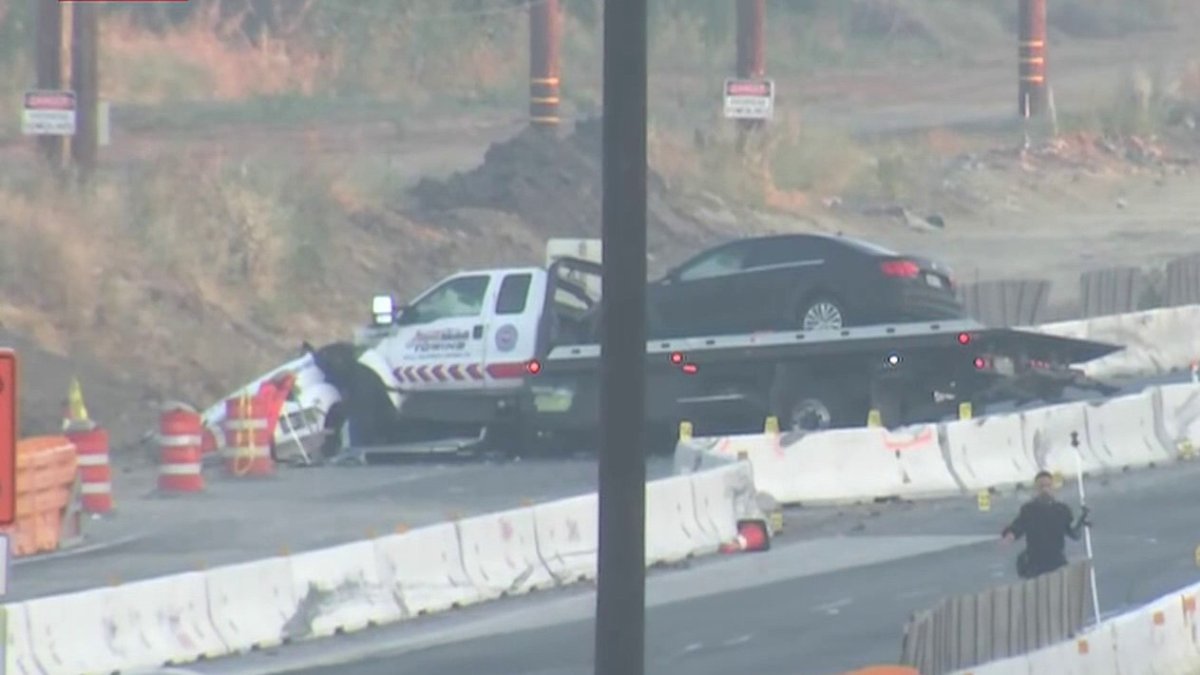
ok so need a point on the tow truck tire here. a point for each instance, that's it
(804, 404)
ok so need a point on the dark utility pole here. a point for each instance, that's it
(48, 64)
(620, 597)
(1031, 52)
(545, 37)
(85, 80)
(751, 48)
(751, 39)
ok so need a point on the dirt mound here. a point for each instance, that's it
(553, 184)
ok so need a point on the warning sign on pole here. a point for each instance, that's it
(48, 113)
(749, 99)
(8, 436)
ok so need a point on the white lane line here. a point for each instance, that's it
(733, 642)
(834, 607)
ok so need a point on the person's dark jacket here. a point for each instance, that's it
(1045, 524)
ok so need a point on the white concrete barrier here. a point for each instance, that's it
(1122, 432)
(724, 496)
(1046, 433)
(261, 604)
(250, 603)
(924, 469)
(568, 537)
(989, 452)
(340, 590)
(1156, 342)
(164, 621)
(19, 655)
(672, 531)
(1181, 416)
(71, 634)
(855, 465)
(844, 465)
(500, 553)
(423, 568)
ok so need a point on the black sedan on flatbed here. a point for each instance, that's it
(805, 282)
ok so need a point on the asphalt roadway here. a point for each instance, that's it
(833, 594)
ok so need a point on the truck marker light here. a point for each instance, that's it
(691, 368)
(964, 338)
(677, 357)
(534, 367)
(893, 359)
(980, 363)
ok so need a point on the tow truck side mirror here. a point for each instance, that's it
(383, 310)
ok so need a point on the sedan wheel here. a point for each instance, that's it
(822, 315)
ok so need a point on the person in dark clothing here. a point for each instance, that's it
(1045, 523)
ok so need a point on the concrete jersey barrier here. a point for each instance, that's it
(963, 456)
(177, 619)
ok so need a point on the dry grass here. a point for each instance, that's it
(193, 62)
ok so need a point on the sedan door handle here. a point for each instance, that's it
(477, 333)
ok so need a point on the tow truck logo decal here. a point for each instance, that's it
(506, 338)
(448, 340)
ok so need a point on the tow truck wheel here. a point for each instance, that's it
(804, 404)
(809, 414)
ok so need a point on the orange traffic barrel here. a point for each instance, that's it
(248, 437)
(95, 471)
(179, 439)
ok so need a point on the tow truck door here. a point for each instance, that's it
(511, 327)
(440, 340)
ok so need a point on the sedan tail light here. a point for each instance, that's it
(905, 269)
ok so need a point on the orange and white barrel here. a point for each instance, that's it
(95, 471)
(248, 437)
(179, 439)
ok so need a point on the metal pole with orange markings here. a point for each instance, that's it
(1031, 53)
(545, 36)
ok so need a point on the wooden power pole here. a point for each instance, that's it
(48, 64)
(85, 80)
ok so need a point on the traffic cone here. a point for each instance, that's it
(752, 536)
(685, 431)
(76, 414)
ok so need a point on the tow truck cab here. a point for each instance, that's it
(462, 351)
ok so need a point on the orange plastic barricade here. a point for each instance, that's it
(46, 491)
(95, 471)
(179, 467)
(248, 437)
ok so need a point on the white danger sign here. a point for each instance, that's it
(48, 113)
(749, 99)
